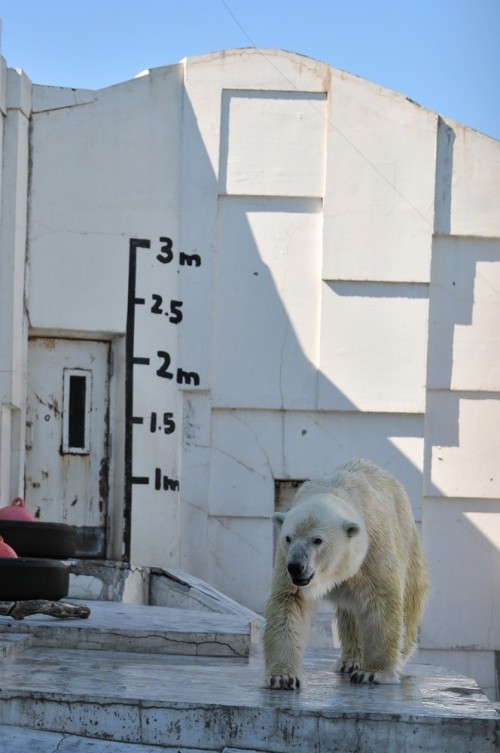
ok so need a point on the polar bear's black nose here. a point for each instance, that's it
(296, 569)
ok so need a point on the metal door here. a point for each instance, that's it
(67, 463)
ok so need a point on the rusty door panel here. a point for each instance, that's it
(65, 483)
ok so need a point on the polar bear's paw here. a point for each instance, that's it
(282, 682)
(361, 677)
(346, 666)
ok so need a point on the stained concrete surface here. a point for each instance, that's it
(100, 684)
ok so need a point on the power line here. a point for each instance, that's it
(325, 117)
(243, 30)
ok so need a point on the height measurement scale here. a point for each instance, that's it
(152, 383)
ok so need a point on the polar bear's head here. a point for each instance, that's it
(324, 542)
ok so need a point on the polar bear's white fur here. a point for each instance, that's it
(351, 539)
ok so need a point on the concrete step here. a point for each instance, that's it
(19, 740)
(138, 628)
(12, 644)
(63, 684)
(203, 703)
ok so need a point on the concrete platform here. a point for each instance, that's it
(110, 683)
(146, 629)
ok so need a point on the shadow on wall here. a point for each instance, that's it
(463, 408)
(466, 571)
(265, 326)
(465, 291)
(270, 334)
(276, 414)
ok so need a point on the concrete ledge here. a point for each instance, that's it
(105, 580)
(114, 626)
(197, 704)
(20, 740)
(13, 644)
(176, 588)
(186, 681)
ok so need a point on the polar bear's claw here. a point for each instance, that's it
(347, 666)
(375, 678)
(363, 677)
(283, 682)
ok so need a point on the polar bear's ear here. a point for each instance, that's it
(350, 528)
(278, 518)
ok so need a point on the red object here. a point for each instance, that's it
(5, 549)
(16, 511)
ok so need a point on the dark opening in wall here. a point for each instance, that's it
(76, 411)
(77, 415)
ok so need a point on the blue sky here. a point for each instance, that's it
(444, 54)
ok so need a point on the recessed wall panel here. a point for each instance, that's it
(373, 347)
(266, 303)
(273, 143)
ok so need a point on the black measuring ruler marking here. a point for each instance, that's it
(134, 244)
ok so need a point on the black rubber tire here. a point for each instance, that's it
(37, 539)
(23, 579)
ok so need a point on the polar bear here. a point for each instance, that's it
(352, 540)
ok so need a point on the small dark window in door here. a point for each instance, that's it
(76, 410)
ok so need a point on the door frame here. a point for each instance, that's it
(111, 472)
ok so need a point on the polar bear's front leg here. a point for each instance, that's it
(381, 638)
(350, 658)
(288, 621)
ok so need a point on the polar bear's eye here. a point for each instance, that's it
(317, 541)
(288, 539)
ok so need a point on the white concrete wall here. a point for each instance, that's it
(346, 303)
(461, 503)
(106, 168)
(15, 108)
(314, 357)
